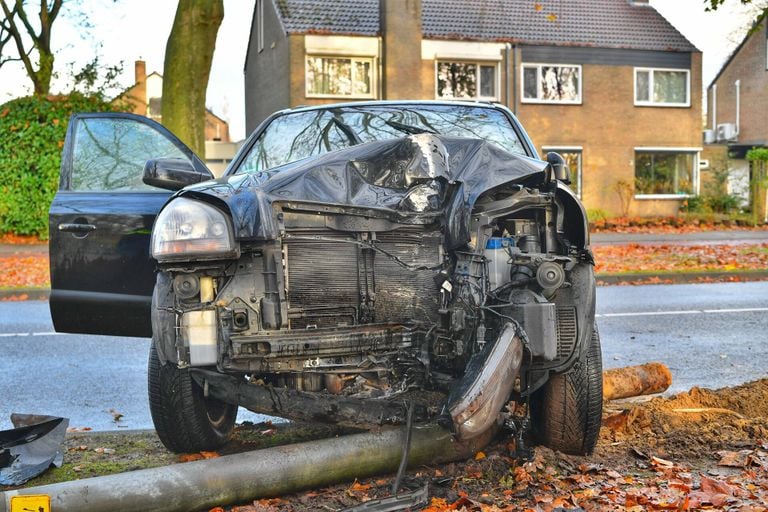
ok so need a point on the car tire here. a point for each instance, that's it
(567, 411)
(185, 420)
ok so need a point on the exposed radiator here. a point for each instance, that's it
(332, 283)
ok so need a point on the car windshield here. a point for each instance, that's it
(300, 135)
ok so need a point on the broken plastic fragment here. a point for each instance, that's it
(31, 447)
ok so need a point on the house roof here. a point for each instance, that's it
(598, 23)
(348, 17)
(761, 18)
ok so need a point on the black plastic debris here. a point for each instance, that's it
(31, 447)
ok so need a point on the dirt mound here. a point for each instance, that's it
(694, 424)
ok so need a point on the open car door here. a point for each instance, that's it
(100, 221)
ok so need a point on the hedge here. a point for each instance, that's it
(32, 132)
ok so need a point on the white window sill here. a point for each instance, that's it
(550, 102)
(341, 96)
(665, 105)
(642, 197)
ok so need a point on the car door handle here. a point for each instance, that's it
(76, 228)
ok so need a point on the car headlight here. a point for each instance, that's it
(191, 228)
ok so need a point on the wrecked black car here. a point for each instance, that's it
(356, 262)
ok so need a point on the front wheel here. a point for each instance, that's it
(185, 420)
(567, 411)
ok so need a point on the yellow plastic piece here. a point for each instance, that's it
(31, 503)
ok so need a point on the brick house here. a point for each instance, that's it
(610, 84)
(737, 109)
(146, 98)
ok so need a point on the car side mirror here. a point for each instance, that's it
(560, 168)
(173, 173)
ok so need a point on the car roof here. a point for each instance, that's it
(395, 103)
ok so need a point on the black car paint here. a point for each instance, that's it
(102, 275)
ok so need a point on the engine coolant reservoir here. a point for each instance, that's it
(497, 252)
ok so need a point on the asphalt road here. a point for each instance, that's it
(710, 335)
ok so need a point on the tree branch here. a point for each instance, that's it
(13, 30)
(27, 25)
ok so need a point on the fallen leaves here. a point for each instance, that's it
(669, 258)
(24, 271)
(190, 457)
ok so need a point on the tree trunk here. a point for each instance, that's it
(644, 379)
(188, 57)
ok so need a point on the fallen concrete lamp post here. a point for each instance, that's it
(473, 409)
(247, 476)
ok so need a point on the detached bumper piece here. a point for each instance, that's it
(29, 449)
(487, 384)
(303, 405)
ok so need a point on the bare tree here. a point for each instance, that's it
(188, 58)
(33, 46)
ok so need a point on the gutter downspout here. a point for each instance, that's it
(512, 83)
(382, 51)
(738, 104)
(714, 108)
(507, 94)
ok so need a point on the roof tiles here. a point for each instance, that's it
(597, 23)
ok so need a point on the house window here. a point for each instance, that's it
(340, 77)
(662, 87)
(665, 172)
(551, 83)
(466, 80)
(572, 156)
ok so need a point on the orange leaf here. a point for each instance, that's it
(479, 456)
(358, 487)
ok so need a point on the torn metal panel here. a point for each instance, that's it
(31, 447)
(475, 404)
(302, 405)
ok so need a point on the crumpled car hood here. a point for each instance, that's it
(375, 175)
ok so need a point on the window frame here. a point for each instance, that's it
(696, 172)
(650, 102)
(570, 149)
(352, 59)
(538, 99)
(478, 75)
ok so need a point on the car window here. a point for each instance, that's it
(300, 135)
(109, 154)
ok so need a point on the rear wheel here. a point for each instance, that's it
(185, 420)
(567, 410)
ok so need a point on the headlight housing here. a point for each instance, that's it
(187, 228)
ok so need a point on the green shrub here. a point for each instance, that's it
(596, 214)
(32, 132)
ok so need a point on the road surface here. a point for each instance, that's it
(710, 335)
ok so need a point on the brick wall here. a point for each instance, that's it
(749, 66)
(609, 126)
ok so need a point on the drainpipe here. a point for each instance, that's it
(738, 102)
(512, 84)
(507, 94)
(714, 108)
(382, 51)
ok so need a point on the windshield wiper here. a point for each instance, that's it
(408, 128)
